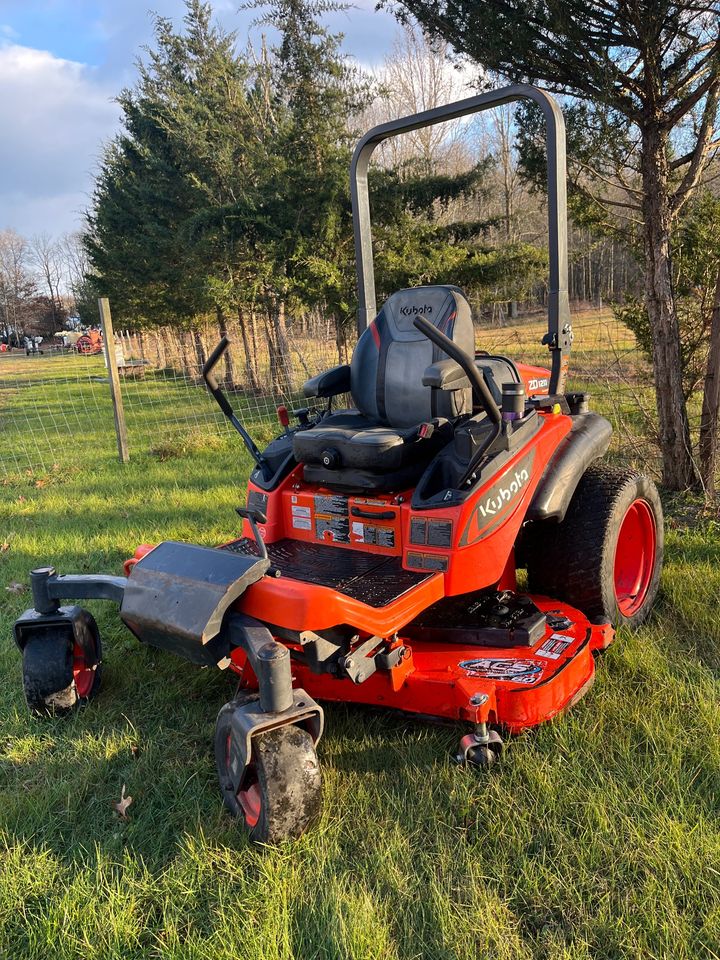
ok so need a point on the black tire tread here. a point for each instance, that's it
(288, 774)
(48, 681)
(290, 779)
(47, 672)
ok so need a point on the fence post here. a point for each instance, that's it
(111, 360)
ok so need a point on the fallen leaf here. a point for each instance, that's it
(4, 547)
(124, 803)
(16, 588)
(22, 499)
(135, 750)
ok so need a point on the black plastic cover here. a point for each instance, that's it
(330, 383)
(177, 596)
(588, 440)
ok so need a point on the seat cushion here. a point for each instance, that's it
(350, 439)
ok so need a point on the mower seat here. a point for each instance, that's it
(399, 423)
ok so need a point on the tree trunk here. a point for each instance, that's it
(285, 363)
(199, 347)
(711, 402)
(223, 332)
(273, 352)
(250, 371)
(254, 351)
(674, 429)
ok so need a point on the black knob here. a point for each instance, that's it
(331, 459)
(302, 414)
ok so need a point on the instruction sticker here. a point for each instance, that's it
(302, 523)
(554, 647)
(335, 529)
(301, 512)
(330, 505)
(496, 668)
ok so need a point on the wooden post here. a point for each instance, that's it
(111, 360)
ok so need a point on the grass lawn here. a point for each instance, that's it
(598, 836)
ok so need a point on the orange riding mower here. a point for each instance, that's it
(380, 543)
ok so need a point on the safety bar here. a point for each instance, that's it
(559, 337)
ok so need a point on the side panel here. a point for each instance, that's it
(486, 526)
(536, 379)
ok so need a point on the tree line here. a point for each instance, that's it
(642, 82)
(42, 282)
(226, 193)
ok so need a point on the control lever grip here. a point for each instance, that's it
(212, 362)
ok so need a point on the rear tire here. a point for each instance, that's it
(279, 794)
(605, 557)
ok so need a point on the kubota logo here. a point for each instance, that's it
(416, 311)
(499, 502)
(503, 495)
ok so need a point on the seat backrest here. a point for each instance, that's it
(392, 355)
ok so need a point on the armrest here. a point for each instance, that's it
(330, 383)
(445, 375)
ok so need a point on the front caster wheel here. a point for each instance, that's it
(479, 751)
(62, 666)
(278, 795)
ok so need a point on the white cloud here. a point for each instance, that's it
(54, 115)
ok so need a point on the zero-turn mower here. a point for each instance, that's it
(378, 553)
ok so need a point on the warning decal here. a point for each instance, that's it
(554, 647)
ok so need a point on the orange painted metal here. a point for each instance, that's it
(142, 551)
(536, 379)
(299, 606)
(515, 687)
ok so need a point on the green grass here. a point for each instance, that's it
(598, 836)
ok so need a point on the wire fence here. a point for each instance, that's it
(55, 407)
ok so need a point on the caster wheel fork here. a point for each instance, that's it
(480, 749)
(275, 789)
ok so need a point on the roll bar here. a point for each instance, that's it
(559, 335)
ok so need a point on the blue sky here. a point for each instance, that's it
(61, 64)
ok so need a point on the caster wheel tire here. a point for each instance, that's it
(605, 557)
(279, 793)
(482, 755)
(62, 669)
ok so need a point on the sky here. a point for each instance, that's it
(61, 64)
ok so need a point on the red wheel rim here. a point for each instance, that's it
(635, 557)
(83, 673)
(251, 802)
(248, 796)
